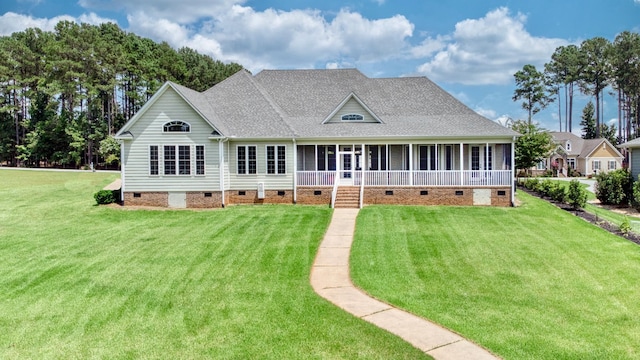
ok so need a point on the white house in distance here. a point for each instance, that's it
(586, 156)
(334, 137)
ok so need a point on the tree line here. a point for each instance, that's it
(595, 66)
(63, 93)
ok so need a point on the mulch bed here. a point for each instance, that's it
(587, 216)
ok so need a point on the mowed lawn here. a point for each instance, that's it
(84, 281)
(532, 282)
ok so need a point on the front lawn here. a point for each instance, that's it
(532, 282)
(80, 281)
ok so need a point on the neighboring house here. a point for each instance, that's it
(587, 157)
(332, 137)
(633, 151)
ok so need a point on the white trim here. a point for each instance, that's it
(344, 102)
(149, 160)
(175, 132)
(246, 146)
(295, 172)
(276, 159)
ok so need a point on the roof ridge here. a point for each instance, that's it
(272, 103)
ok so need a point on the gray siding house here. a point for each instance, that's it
(334, 137)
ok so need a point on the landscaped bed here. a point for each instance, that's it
(85, 281)
(532, 282)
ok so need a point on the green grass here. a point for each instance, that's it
(532, 282)
(83, 281)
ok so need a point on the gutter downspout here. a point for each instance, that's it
(221, 166)
(295, 172)
(121, 170)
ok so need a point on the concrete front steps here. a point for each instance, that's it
(348, 197)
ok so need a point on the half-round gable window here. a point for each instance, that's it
(352, 117)
(176, 126)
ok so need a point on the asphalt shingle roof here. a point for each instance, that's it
(294, 103)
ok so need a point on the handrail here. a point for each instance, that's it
(334, 192)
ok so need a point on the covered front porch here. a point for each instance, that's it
(413, 164)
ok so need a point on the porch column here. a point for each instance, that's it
(338, 163)
(410, 164)
(513, 172)
(221, 167)
(461, 164)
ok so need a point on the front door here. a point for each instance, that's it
(346, 164)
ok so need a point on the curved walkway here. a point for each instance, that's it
(330, 279)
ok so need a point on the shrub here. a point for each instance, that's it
(635, 188)
(625, 226)
(558, 192)
(544, 187)
(614, 187)
(531, 184)
(577, 195)
(104, 197)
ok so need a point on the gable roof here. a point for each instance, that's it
(631, 144)
(580, 147)
(297, 103)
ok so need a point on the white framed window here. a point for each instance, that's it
(595, 165)
(176, 126)
(427, 157)
(611, 165)
(542, 165)
(571, 163)
(276, 159)
(352, 117)
(176, 159)
(481, 158)
(247, 159)
(200, 160)
(154, 160)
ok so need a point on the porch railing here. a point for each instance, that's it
(407, 178)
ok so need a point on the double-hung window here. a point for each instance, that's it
(611, 165)
(596, 165)
(154, 166)
(247, 159)
(199, 159)
(276, 159)
(169, 159)
(184, 160)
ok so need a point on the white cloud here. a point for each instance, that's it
(275, 38)
(11, 22)
(489, 50)
(488, 113)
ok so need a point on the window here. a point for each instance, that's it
(184, 159)
(276, 161)
(169, 160)
(612, 165)
(377, 157)
(542, 165)
(427, 156)
(176, 126)
(352, 117)
(176, 159)
(199, 159)
(153, 160)
(475, 158)
(568, 145)
(571, 163)
(595, 165)
(247, 159)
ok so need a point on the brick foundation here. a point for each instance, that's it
(319, 195)
(430, 196)
(251, 197)
(204, 199)
(160, 199)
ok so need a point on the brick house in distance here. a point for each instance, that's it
(334, 137)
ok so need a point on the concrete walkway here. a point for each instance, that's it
(330, 279)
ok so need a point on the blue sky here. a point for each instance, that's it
(470, 48)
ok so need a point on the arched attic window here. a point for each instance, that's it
(352, 117)
(176, 126)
